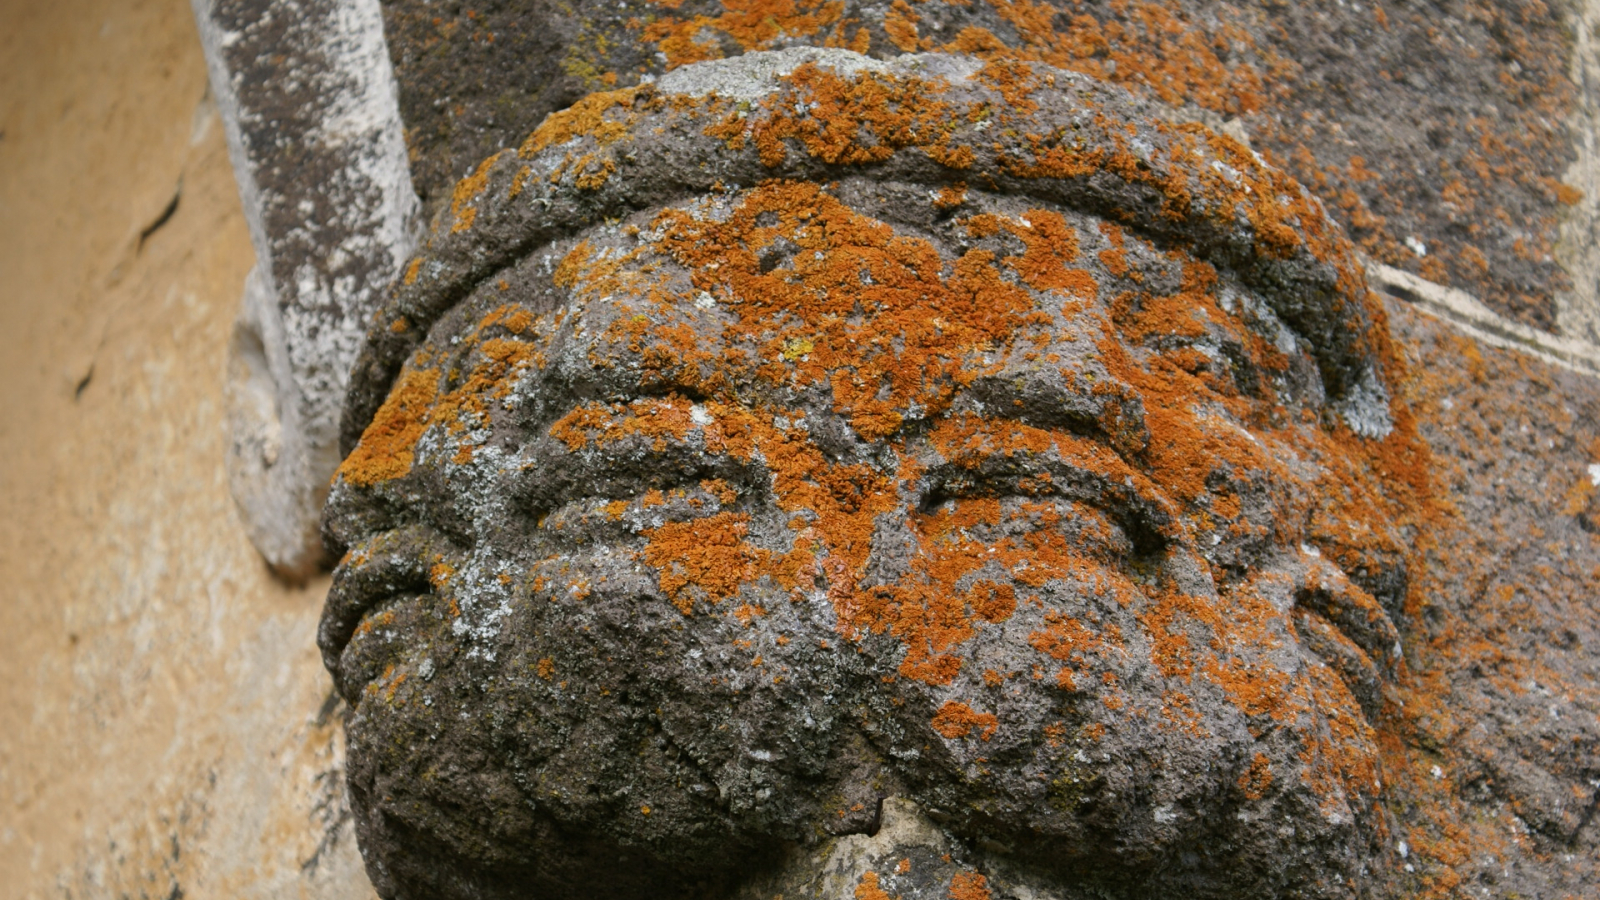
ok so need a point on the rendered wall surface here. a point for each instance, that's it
(162, 721)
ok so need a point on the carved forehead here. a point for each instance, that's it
(846, 274)
(889, 280)
(1045, 136)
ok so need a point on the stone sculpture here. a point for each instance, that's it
(805, 445)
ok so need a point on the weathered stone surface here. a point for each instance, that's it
(308, 103)
(907, 855)
(1578, 309)
(1471, 317)
(162, 733)
(807, 430)
(1440, 133)
(1497, 782)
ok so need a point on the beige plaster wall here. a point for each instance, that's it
(160, 694)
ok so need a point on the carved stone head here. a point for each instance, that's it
(802, 431)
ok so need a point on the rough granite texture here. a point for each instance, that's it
(805, 432)
(1438, 132)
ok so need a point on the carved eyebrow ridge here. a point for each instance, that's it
(1143, 519)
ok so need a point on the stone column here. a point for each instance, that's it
(308, 99)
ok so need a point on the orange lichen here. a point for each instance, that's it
(466, 191)
(520, 181)
(951, 196)
(937, 318)
(969, 886)
(439, 574)
(1256, 780)
(752, 24)
(867, 117)
(511, 317)
(868, 889)
(1065, 639)
(1147, 45)
(900, 24)
(587, 117)
(957, 720)
(661, 420)
(491, 379)
(709, 554)
(895, 112)
(386, 448)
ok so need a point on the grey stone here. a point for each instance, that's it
(1578, 309)
(308, 101)
(908, 856)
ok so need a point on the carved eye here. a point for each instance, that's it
(650, 503)
(1029, 475)
(1350, 631)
